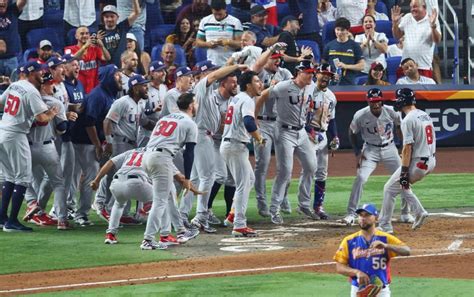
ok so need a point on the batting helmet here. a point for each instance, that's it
(325, 68)
(404, 97)
(374, 95)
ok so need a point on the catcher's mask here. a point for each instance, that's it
(404, 97)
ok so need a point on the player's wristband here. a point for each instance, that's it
(109, 138)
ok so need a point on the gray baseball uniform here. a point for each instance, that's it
(235, 153)
(417, 130)
(156, 98)
(170, 105)
(290, 137)
(171, 133)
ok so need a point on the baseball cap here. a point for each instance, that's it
(157, 66)
(137, 79)
(218, 4)
(182, 71)
(47, 77)
(20, 68)
(32, 66)
(305, 66)
(44, 43)
(376, 64)
(369, 208)
(54, 61)
(374, 94)
(68, 58)
(287, 19)
(110, 8)
(325, 68)
(257, 10)
(131, 36)
(206, 65)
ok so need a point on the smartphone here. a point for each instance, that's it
(101, 27)
(335, 61)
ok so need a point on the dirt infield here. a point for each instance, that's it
(300, 246)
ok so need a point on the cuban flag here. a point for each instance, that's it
(270, 6)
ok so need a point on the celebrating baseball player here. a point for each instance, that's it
(184, 82)
(365, 256)
(418, 160)
(291, 108)
(376, 123)
(22, 104)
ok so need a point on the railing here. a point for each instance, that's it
(468, 39)
(471, 62)
(455, 36)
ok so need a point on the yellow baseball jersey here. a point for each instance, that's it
(355, 252)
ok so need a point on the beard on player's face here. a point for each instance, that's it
(365, 226)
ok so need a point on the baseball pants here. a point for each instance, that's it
(85, 156)
(15, 156)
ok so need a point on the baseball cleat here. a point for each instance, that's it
(244, 232)
(31, 210)
(152, 245)
(3, 221)
(43, 220)
(276, 218)
(169, 240)
(83, 221)
(407, 218)
(64, 225)
(213, 219)
(229, 220)
(110, 239)
(386, 229)
(264, 213)
(307, 213)
(204, 226)
(187, 235)
(319, 211)
(103, 214)
(15, 227)
(419, 220)
(285, 206)
(349, 220)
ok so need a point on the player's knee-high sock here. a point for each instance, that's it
(7, 191)
(17, 200)
(215, 189)
(319, 193)
(229, 192)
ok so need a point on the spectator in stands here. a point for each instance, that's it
(115, 34)
(412, 75)
(124, 8)
(266, 33)
(351, 10)
(31, 18)
(376, 74)
(9, 33)
(326, 13)
(79, 13)
(241, 10)
(373, 44)
(220, 33)
(249, 53)
(45, 51)
(379, 16)
(185, 36)
(307, 10)
(90, 51)
(196, 10)
(396, 50)
(292, 55)
(421, 31)
(168, 55)
(144, 59)
(344, 54)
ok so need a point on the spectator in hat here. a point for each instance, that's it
(125, 8)
(115, 33)
(9, 33)
(144, 59)
(412, 75)
(79, 13)
(267, 35)
(184, 35)
(91, 52)
(45, 51)
(374, 45)
(168, 55)
(249, 53)
(195, 11)
(220, 33)
(184, 82)
(376, 75)
(344, 54)
(30, 18)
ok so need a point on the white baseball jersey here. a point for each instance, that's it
(324, 104)
(208, 116)
(172, 132)
(291, 103)
(376, 130)
(240, 106)
(417, 129)
(124, 112)
(124, 80)
(268, 78)
(41, 132)
(60, 93)
(170, 105)
(22, 103)
(155, 98)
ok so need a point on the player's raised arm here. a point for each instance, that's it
(223, 72)
(261, 100)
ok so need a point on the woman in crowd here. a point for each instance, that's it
(144, 59)
(185, 36)
(376, 74)
(374, 45)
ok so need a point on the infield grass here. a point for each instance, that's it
(49, 249)
(279, 284)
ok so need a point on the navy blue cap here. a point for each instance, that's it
(157, 66)
(137, 79)
(206, 65)
(20, 68)
(68, 58)
(182, 71)
(54, 61)
(369, 208)
(31, 66)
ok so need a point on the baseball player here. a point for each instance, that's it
(22, 104)
(365, 255)
(208, 120)
(418, 160)
(171, 133)
(291, 108)
(376, 123)
(270, 73)
(131, 182)
(240, 125)
(129, 60)
(322, 119)
(184, 82)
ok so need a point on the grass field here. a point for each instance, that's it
(49, 249)
(279, 284)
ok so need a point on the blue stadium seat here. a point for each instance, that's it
(158, 35)
(392, 65)
(392, 41)
(313, 45)
(385, 27)
(360, 80)
(328, 32)
(283, 10)
(34, 37)
(180, 57)
(71, 37)
(382, 8)
(200, 54)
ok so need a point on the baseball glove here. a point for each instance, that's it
(370, 290)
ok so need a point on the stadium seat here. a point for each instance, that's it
(313, 45)
(71, 37)
(392, 41)
(158, 35)
(200, 54)
(180, 57)
(385, 27)
(283, 10)
(382, 8)
(392, 65)
(360, 80)
(328, 32)
(36, 35)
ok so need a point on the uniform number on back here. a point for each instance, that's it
(135, 160)
(429, 134)
(13, 105)
(165, 128)
(229, 114)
